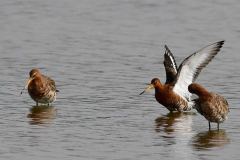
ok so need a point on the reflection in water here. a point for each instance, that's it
(173, 120)
(175, 130)
(42, 114)
(210, 139)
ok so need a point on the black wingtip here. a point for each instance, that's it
(168, 52)
(220, 43)
(166, 47)
(57, 90)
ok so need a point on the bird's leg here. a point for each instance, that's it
(218, 126)
(37, 103)
(209, 126)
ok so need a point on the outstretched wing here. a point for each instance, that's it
(170, 66)
(192, 66)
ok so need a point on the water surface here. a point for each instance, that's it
(101, 54)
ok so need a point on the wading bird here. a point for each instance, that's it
(41, 88)
(174, 94)
(211, 105)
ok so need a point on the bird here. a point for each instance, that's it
(174, 94)
(41, 88)
(211, 105)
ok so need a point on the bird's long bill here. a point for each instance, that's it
(27, 83)
(147, 89)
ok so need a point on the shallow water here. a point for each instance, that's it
(101, 54)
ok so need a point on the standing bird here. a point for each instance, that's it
(211, 105)
(174, 94)
(41, 88)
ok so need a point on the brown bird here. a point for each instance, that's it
(41, 88)
(174, 94)
(211, 105)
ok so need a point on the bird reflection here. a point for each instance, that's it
(210, 139)
(42, 114)
(168, 123)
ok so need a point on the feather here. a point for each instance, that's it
(192, 66)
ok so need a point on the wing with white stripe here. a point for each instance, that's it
(192, 66)
(170, 65)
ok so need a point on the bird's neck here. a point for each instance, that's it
(202, 92)
(159, 88)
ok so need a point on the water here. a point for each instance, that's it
(101, 54)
